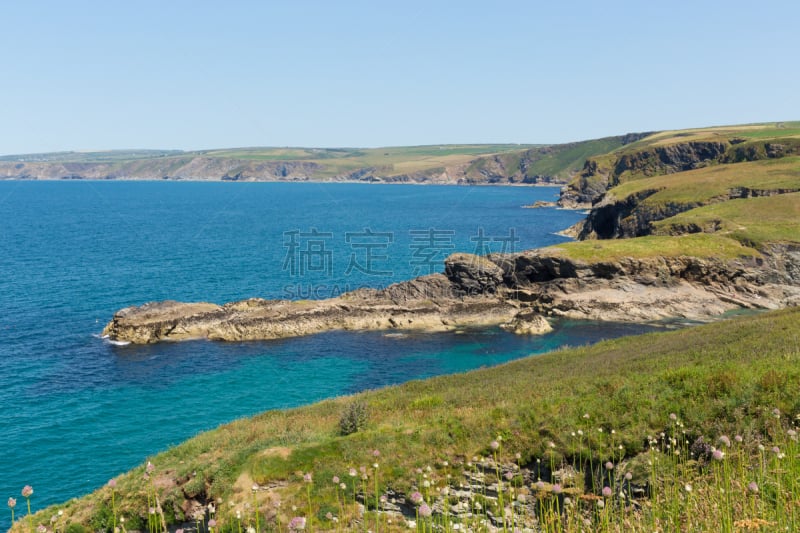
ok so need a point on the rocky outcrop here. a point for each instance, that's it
(512, 291)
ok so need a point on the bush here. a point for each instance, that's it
(354, 418)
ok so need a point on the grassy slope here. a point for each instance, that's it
(707, 375)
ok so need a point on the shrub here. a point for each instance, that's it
(354, 417)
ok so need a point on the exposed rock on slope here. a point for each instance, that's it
(508, 290)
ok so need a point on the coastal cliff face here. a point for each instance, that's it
(600, 174)
(512, 291)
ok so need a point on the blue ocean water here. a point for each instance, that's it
(78, 410)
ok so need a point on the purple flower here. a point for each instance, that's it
(12, 502)
(717, 455)
(776, 413)
(738, 438)
(775, 449)
(352, 472)
(673, 416)
(509, 476)
(753, 487)
(179, 530)
(609, 465)
(556, 489)
(376, 453)
(212, 523)
(416, 497)
(425, 511)
(540, 485)
(725, 440)
(494, 445)
(307, 477)
(628, 476)
(149, 468)
(335, 480)
(607, 492)
(27, 491)
(41, 529)
(298, 523)
(112, 483)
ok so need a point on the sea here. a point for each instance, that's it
(77, 410)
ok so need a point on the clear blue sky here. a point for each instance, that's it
(84, 75)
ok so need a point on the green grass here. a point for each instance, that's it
(705, 184)
(752, 221)
(706, 375)
(696, 245)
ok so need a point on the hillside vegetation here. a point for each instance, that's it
(464, 164)
(559, 418)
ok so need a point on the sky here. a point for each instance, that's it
(187, 75)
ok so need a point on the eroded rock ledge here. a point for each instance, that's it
(514, 291)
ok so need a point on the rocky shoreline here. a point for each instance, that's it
(514, 291)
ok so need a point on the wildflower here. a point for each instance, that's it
(567, 501)
(775, 449)
(149, 468)
(425, 511)
(761, 447)
(251, 529)
(298, 523)
(586, 416)
(607, 492)
(687, 487)
(112, 483)
(179, 530)
(609, 465)
(725, 440)
(628, 476)
(335, 480)
(212, 523)
(307, 477)
(412, 524)
(551, 444)
(753, 487)
(342, 486)
(12, 503)
(426, 484)
(152, 510)
(540, 485)
(494, 445)
(509, 476)
(717, 455)
(776, 413)
(600, 430)
(376, 453)
(352, 472)
(600, 504)
(792, 434)
(254, 487)
(673, 416)
(556, 489)
(329, 515)
(41, 529)
(580, 432)
(738, 438)
(27, 491)
(416, 497)
(374, 465)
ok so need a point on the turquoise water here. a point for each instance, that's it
(78, 410)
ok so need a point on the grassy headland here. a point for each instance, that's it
(560, 418)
